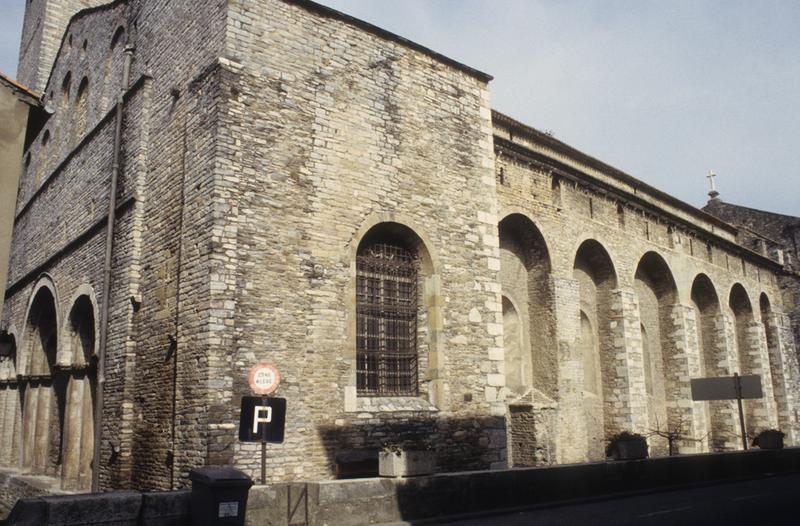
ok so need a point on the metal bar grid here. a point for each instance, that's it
(386, 298)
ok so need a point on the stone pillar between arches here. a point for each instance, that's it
(701, 429)
(761, 413)
(724, 413)
(571, 426)
(786, 376)
(687, 420)
(627, 407)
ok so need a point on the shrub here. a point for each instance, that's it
(612, 449)
(769, 436)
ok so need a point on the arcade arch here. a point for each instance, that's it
(657, 295)
(596, 277)
(81, 374)
(530, 357)
(713, 358)
(42, 389)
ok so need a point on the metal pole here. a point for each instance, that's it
(738, 382)
(263, 463)
(104, 311)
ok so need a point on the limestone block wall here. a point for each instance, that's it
(59, 243)
(43, 29)
(166, 174)
(62, 248)
(331, 130)
(567, 207)
(263, 143)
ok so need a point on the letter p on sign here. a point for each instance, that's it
(258, 418)
(262, 419)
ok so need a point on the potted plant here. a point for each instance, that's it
(769, 439)
(627, 446)
(396, 461)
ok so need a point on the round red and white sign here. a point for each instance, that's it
(264, 378)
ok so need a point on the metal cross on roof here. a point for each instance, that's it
(713, 192)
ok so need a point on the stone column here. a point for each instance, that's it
(626, 401)
(724, 413)
(761, 413)
(700, 431)
(6, 425)
(571, 443)
(778, 371)
(786, 375)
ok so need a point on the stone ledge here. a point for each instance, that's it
(393, 404)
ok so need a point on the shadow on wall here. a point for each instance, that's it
(458, 444)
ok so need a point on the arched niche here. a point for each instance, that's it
(597, 278)
(749, 354)
(517, 361)
(42, 417)
(743, 318)
(712, 359)
(78, 443)
(657, 294)
(525, 283)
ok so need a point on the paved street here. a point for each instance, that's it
(765, 502)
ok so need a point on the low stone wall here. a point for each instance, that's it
(376, 500)
(366, 501)
(15, 486)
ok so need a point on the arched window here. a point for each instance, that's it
(386, 312)
(41, 164)
(81, 108)
(76, 468)
(112, 69)
(41, 420)
(66, 87)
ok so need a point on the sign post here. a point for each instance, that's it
(729, 388)
(262, 418)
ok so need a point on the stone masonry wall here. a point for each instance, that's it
(552, 193)
(262, 141)
(768, 233)
(359, 130)
(43, 30)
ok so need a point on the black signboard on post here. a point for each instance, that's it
(729, 388)
(263, 419)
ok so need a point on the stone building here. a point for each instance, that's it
(18, 105)
(293, 185)
(774, 235)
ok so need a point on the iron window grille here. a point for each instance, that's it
(386, 304)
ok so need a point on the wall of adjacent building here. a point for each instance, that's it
(14, 115)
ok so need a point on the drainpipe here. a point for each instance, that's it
(112, 209)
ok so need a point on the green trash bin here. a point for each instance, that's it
(219, 496)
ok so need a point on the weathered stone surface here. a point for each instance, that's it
(262, 143)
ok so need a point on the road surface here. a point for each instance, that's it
(764, 502)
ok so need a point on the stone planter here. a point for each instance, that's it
(629, 449)
(770, 441)
(406, 463)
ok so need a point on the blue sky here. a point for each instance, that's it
(664, 90)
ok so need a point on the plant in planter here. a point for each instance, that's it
(675, 433)
(627, 446)
(769, 439)
(396, 461)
